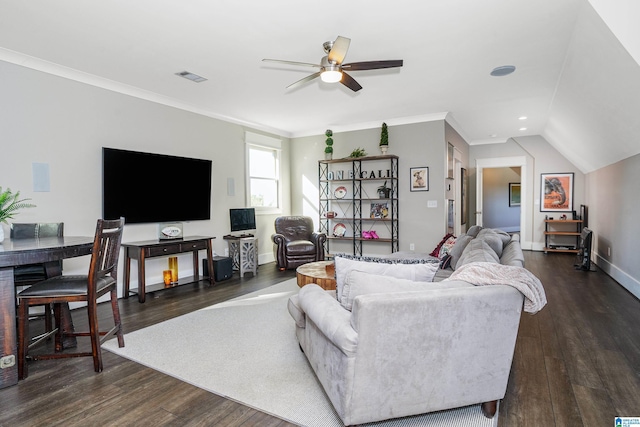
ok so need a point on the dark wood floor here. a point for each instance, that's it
(576, 363)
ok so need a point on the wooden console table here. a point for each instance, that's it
(140, 251)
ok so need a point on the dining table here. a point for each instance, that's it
(16, 252)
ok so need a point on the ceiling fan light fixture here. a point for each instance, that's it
(331, 75)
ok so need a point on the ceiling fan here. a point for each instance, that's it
(332, 69)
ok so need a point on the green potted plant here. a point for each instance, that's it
(383, 191)
(384, 139)
(328, 150)
(10, 203)
(358, 152)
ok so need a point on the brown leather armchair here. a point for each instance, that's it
(295, 242)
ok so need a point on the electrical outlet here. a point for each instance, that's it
(412, 247)
(7, 361)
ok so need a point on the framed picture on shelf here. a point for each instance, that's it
(514, 194)
(419, 179)
(379, 210)
(556, 192)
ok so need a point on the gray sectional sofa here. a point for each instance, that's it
(389, 342)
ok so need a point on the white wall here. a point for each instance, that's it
(62, 123)
(614, 204)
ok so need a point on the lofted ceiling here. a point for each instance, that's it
(574, 81)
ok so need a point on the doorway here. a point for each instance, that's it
(505, 162)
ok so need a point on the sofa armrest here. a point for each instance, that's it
(329, 316)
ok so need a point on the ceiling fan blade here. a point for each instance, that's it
(304, 64)
(339, 50)
(304, 80)
(349, 82)
(372, 65)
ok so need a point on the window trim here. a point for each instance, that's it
(253, 140)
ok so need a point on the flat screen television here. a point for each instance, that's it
(242, 219)
(148, 188)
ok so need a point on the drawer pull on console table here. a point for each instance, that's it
(140, 251)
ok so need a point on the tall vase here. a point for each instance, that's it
(173, 266)
(384, 148)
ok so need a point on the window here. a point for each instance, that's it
(263, 166)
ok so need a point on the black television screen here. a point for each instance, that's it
(242, 219)
(146, 187)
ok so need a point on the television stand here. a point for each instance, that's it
(140, 251)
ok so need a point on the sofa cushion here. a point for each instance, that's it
(458, 248)
(300, 247)
(493, 240)
(422, 271)
(512, 253)
(478, 251)
(474, 230)
(360, 283)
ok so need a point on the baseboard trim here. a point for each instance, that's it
(624, 279)
(266, 258)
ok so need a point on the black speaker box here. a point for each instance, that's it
(222, 267)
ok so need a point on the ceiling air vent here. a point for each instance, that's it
(190, 76)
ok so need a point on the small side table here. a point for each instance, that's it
(243, 251)
(322, 273)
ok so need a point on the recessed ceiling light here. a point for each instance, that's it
(523, 128)
(522, 118)
(503, 70)
(190, 76)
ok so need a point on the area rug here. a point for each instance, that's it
(245, 349)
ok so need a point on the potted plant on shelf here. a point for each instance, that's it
(358, 152)
(384, 139)
(328, 150)
(10, 203)
(383, 191)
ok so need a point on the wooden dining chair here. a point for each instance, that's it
(26, 275)
(102, 278)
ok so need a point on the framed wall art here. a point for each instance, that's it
(514, 194)
(419, 179)
(556, 192)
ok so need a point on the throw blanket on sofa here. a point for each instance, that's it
(487, 273)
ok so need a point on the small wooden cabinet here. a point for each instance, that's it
(562, 235)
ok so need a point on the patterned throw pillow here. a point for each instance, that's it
(446, 246)
(436, 251)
